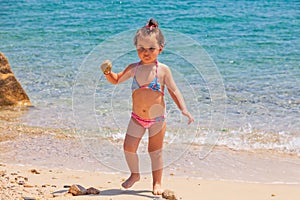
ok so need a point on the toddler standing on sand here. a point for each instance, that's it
(148, 106)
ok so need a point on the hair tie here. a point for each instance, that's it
(151, 26)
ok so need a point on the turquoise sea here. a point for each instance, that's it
(252, 101)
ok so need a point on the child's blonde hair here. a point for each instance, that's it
(151, 28)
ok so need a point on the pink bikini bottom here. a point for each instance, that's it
(147, 123)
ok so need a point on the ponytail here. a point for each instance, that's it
(151, 28)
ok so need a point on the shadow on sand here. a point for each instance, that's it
(141, 193)
(116, 192)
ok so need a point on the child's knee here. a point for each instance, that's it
(130, 148)
(157, 154)
(156, 160)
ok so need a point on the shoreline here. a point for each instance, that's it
(50, 183)
(55, 148)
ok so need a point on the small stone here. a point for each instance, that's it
(92, 190)
(34, 171)
(2, 173)
(67, 186)
(169, 194)
(21, 182)
(76, 190)
(28, 186)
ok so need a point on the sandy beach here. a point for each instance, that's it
(29, 182)
(37, 163)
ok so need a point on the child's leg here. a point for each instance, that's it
(156, 138)
(132, 139)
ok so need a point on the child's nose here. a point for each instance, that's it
(147, 51)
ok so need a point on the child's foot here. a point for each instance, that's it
(134, 177)
(157, 190)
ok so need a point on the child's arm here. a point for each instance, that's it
(115, 78)
(176, 94)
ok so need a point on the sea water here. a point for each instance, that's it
(246, 96)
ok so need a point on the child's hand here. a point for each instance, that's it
(187, 114)
(106, 67)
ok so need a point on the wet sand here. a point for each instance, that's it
(61, 160)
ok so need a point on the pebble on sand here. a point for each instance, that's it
(77, 190)
(92, 190)
(34, 171)
(169, 194)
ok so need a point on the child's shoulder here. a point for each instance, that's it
(131, 66)
(163, 66)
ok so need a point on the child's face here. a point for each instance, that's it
(148, 49)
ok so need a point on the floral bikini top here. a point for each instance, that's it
(154, 85)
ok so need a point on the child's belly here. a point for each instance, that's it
(148, 104)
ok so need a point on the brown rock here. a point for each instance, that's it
(76, 190)
(169, 194)
(2, 173)
(92, 190)
(21, 182)
(11, 91)
(34, 171)
(27, 185)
